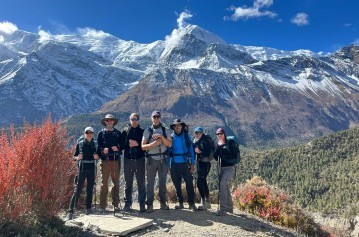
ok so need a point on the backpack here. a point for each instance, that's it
(210, 141)
(234, 148)
(150, 129)
(80, 142)
(150, 133)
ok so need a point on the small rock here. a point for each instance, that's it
(166, 230)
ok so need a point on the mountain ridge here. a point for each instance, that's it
(191, 74)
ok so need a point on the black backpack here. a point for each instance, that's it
(210, 141)
(234, 148)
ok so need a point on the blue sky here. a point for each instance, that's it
(317, 25)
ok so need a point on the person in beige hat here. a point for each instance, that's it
(109, 144)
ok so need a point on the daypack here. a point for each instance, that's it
(150, 133)
(188, 145)
(210, 141)
(80, 142)
(150, 129)
(234, 148)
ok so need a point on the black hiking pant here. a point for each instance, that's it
(89, 175)
(203, 170)
(131, 168)
(179, 171)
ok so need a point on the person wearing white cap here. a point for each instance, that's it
(85, 155)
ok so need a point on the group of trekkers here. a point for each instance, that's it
(151, 151)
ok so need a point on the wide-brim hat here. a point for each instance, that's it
(177, 121)
(109, 116)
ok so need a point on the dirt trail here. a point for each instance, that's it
(205, 223)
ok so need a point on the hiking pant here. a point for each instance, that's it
(110, 168)
(203, 170)
(179, 171)
(133, 167)
(79, 181)
(225, 197)
(154, 166)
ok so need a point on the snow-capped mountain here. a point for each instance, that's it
(257, 93)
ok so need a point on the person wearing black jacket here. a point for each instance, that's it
(134, 162)
(109, 150)
(85, 155)
(203, 145)
(227, 160)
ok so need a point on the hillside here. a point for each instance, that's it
(266, 97)
(320, 175)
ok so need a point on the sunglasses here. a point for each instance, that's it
(197, 133)
(109, 120)
(219, 134)
(156, 117)
(134, 119)
(88, 132)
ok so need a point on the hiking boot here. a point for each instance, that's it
(88, 211)
(208, 204)
(164, 206)
(115, 209)
(101, 210)
(142, 208)
(221, 213)
(203, 206)
(192, 207)
(68, 217)
(127, 208)
(179, 206)
(149, 208)
(229, 210)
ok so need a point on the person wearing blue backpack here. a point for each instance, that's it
(226, 154)
(182, 162)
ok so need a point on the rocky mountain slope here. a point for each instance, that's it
(264, 96)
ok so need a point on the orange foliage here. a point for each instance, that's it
(35, 166)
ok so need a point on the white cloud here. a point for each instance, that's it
(251, 12)
(92, 33)
(174, 38)
(44, 36)
(7, 28)
(356, 42)
(348, 24)
(182, 17)
(300, 19)
(262, 3)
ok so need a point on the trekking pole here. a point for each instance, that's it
(195, 171)
(219, 179)
(116, 194)
(77, 180)
(95, 184)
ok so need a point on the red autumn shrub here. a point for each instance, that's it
(34, 171)
(258, 198)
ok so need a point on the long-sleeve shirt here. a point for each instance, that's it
(108, 139)
(131, 133)
(88, 149)
(224, 152)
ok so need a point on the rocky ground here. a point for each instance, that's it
(205, 223)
